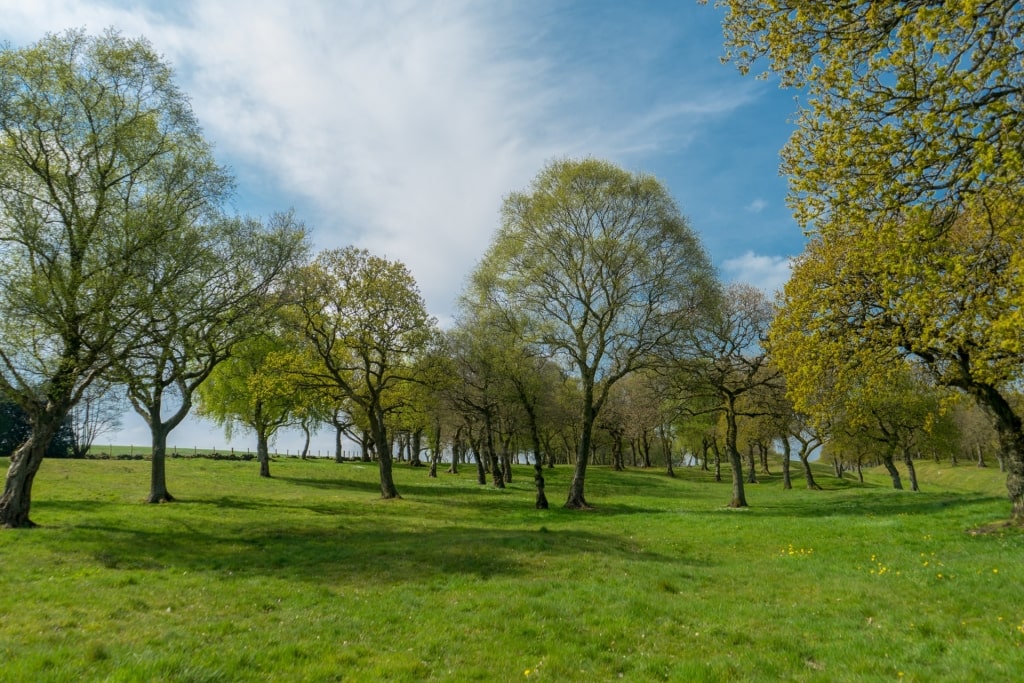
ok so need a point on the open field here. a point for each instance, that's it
(310, 577)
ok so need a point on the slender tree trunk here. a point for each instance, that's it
(576, 499)
(435, 450)
(458, 448)
(666, 446)
(158, 471)
(981, 457)
(305, 444)
(739, 498)
(263, 453)
(384, 460)
(414, 448)
(364, 447)
(751, 465)
(492, 454)
(805, 461)
(911, 471)
(481, 472)
(618, 459)
(787, 453)
(763, 450)
(718, 460)
(339, 454)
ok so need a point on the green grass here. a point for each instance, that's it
(310, 577)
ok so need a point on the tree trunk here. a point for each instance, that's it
(894, 473)
(718, 460)
(787, 453)
(435, 451)
(481, 472)
(618, 460)
(805, 461)
(576, 499)
(751, 465)
(384, 461)
(739, 498)
(339, 454)
(364, 446)
(492, 454)
(911, 472)
(263, 453)
(981, 457)
(414, 449)
(25, 461)
(158, 472)
(305, 444)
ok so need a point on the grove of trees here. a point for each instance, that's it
(594, 330)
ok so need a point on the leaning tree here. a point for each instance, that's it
(101, 164)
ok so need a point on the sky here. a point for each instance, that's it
(400, 125)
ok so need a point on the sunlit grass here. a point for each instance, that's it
(309, 576)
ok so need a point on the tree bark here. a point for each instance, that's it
(751, 465)
(414, 448)
(158, 471)
(16, 501)
(576, 499)
(384, 460)
(894, 473)
(1011, 444)
(787, 453)
(739, 498)
(911, 472)
(808, 473)
(263, 453)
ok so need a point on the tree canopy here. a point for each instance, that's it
(101, 162)
(605, 273)
(907, 101)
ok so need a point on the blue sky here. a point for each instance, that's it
(400, 125)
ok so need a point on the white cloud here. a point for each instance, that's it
(399, 125)
(757, 206)
(768, 273)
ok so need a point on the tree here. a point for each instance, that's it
(101, 162)
(951, 304)
(227, 289)
(365, 322)
(909, 102)
(253, 388)
(725, 359)
(98, 412)
(606, 274)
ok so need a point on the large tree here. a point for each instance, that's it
(254, 389)
(858, 304)
(605, 273)
(725, 361)
(228, 287)
(101, 163)
(366, 323)
(907, 101)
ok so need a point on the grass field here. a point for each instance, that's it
(310, 577)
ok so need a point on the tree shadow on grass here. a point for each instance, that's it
(350, 553)
(890, 503)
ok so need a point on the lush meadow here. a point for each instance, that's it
(310, 577)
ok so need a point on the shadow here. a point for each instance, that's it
(830, 503)
(346, 552)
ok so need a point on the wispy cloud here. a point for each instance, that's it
(757, 206)
(768, 273)
(398, 126)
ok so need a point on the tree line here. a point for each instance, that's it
(594, 328)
